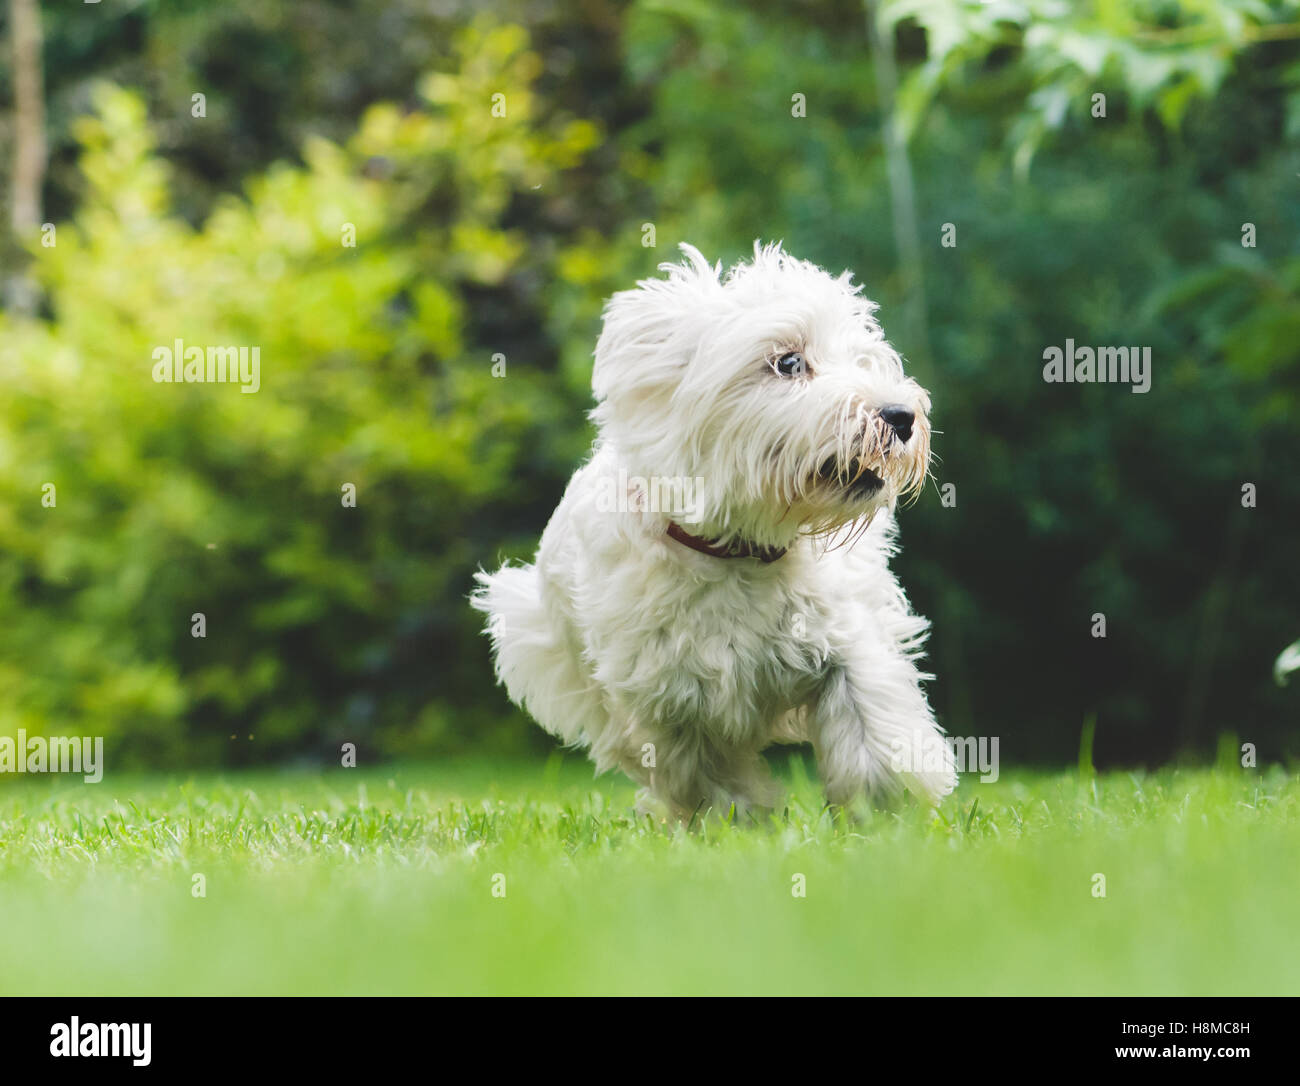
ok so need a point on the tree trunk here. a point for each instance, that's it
(902, 197)
(29, 140)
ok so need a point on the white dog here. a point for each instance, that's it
(676, 639)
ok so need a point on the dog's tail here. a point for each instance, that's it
(532, 661)
(505, 597)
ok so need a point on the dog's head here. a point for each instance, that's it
(773, 385)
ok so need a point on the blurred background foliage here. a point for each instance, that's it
(485, 240)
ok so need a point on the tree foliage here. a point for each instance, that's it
(172, 500)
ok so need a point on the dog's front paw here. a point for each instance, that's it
(923, 765)
(926, 767)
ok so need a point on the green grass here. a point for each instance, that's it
(356, 881)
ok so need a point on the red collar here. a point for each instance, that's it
(740, 549)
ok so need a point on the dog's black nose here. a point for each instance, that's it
(900, 418)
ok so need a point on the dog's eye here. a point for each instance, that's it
(791, 365)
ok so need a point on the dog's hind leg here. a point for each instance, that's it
(692, 776)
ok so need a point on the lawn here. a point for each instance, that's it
(361, 881)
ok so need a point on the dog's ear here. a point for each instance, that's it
(648, 329)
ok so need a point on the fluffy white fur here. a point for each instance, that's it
(679, 667)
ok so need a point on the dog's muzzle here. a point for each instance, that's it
(887, 451)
